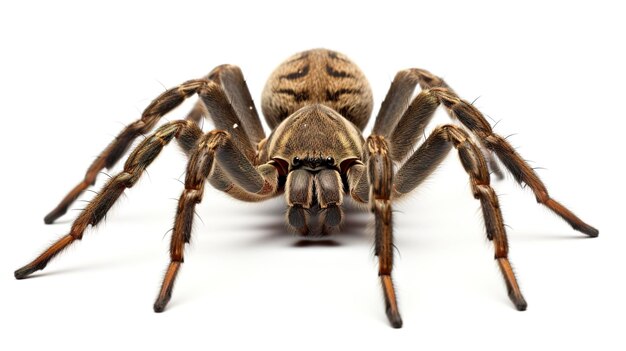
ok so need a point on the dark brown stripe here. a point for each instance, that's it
(299, 96)
(337, 74)
(296, 75)
(346, 112)
(334, 96)
(335, 56)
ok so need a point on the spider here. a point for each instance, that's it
(317, 104)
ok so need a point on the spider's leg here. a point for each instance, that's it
(428, 81)
(429, 156)
(476, 123)
(240, 173)
(230, 106)
(396, 106)
(234, 85)
(197, 113)
(395, 103)
(228, 103)
(187, 133)
(380, 175)
(470, 117)
(164, 103)
(402, 137)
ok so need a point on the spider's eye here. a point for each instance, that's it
(330, 161)
(296, 161)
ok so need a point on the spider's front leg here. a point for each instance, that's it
(380, 176)
(238, 176)
(426, 159)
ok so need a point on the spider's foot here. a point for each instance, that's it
(166, 289)
(497, 173)
(391, 304)
(54, 215)
(589, 230)
(160, 303)
(27, 270)
(394, 318)
(48, 219)
(515, 294)
(519, 301)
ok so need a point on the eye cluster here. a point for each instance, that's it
(313, 162)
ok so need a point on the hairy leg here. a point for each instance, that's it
(408, 129)
(396, 107)
(163, 104)
(147, 151)
(226, 84)
(380, 175)
(470, 117)
(214, 148)
(234, 86)
(429, 156)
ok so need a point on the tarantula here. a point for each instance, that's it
(317, 104)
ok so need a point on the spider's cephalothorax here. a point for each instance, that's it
(317, 104)
(314, 147)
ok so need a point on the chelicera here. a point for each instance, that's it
(317, 104)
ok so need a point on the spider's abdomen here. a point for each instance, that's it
(317, 76)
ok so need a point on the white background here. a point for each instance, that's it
(73, 74)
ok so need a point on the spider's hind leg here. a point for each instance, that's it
(145, 153)
(226, 78)
(471, 118)
(160, 106)
(407, 126)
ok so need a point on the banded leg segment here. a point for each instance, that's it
(428, 80)
(471, 118)
(198, 170)
(213, 146)
(403, 134)
(163, 104)
(224, 84)
(146, 152)
(476, 123)
(380, 175)
(430, 155)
